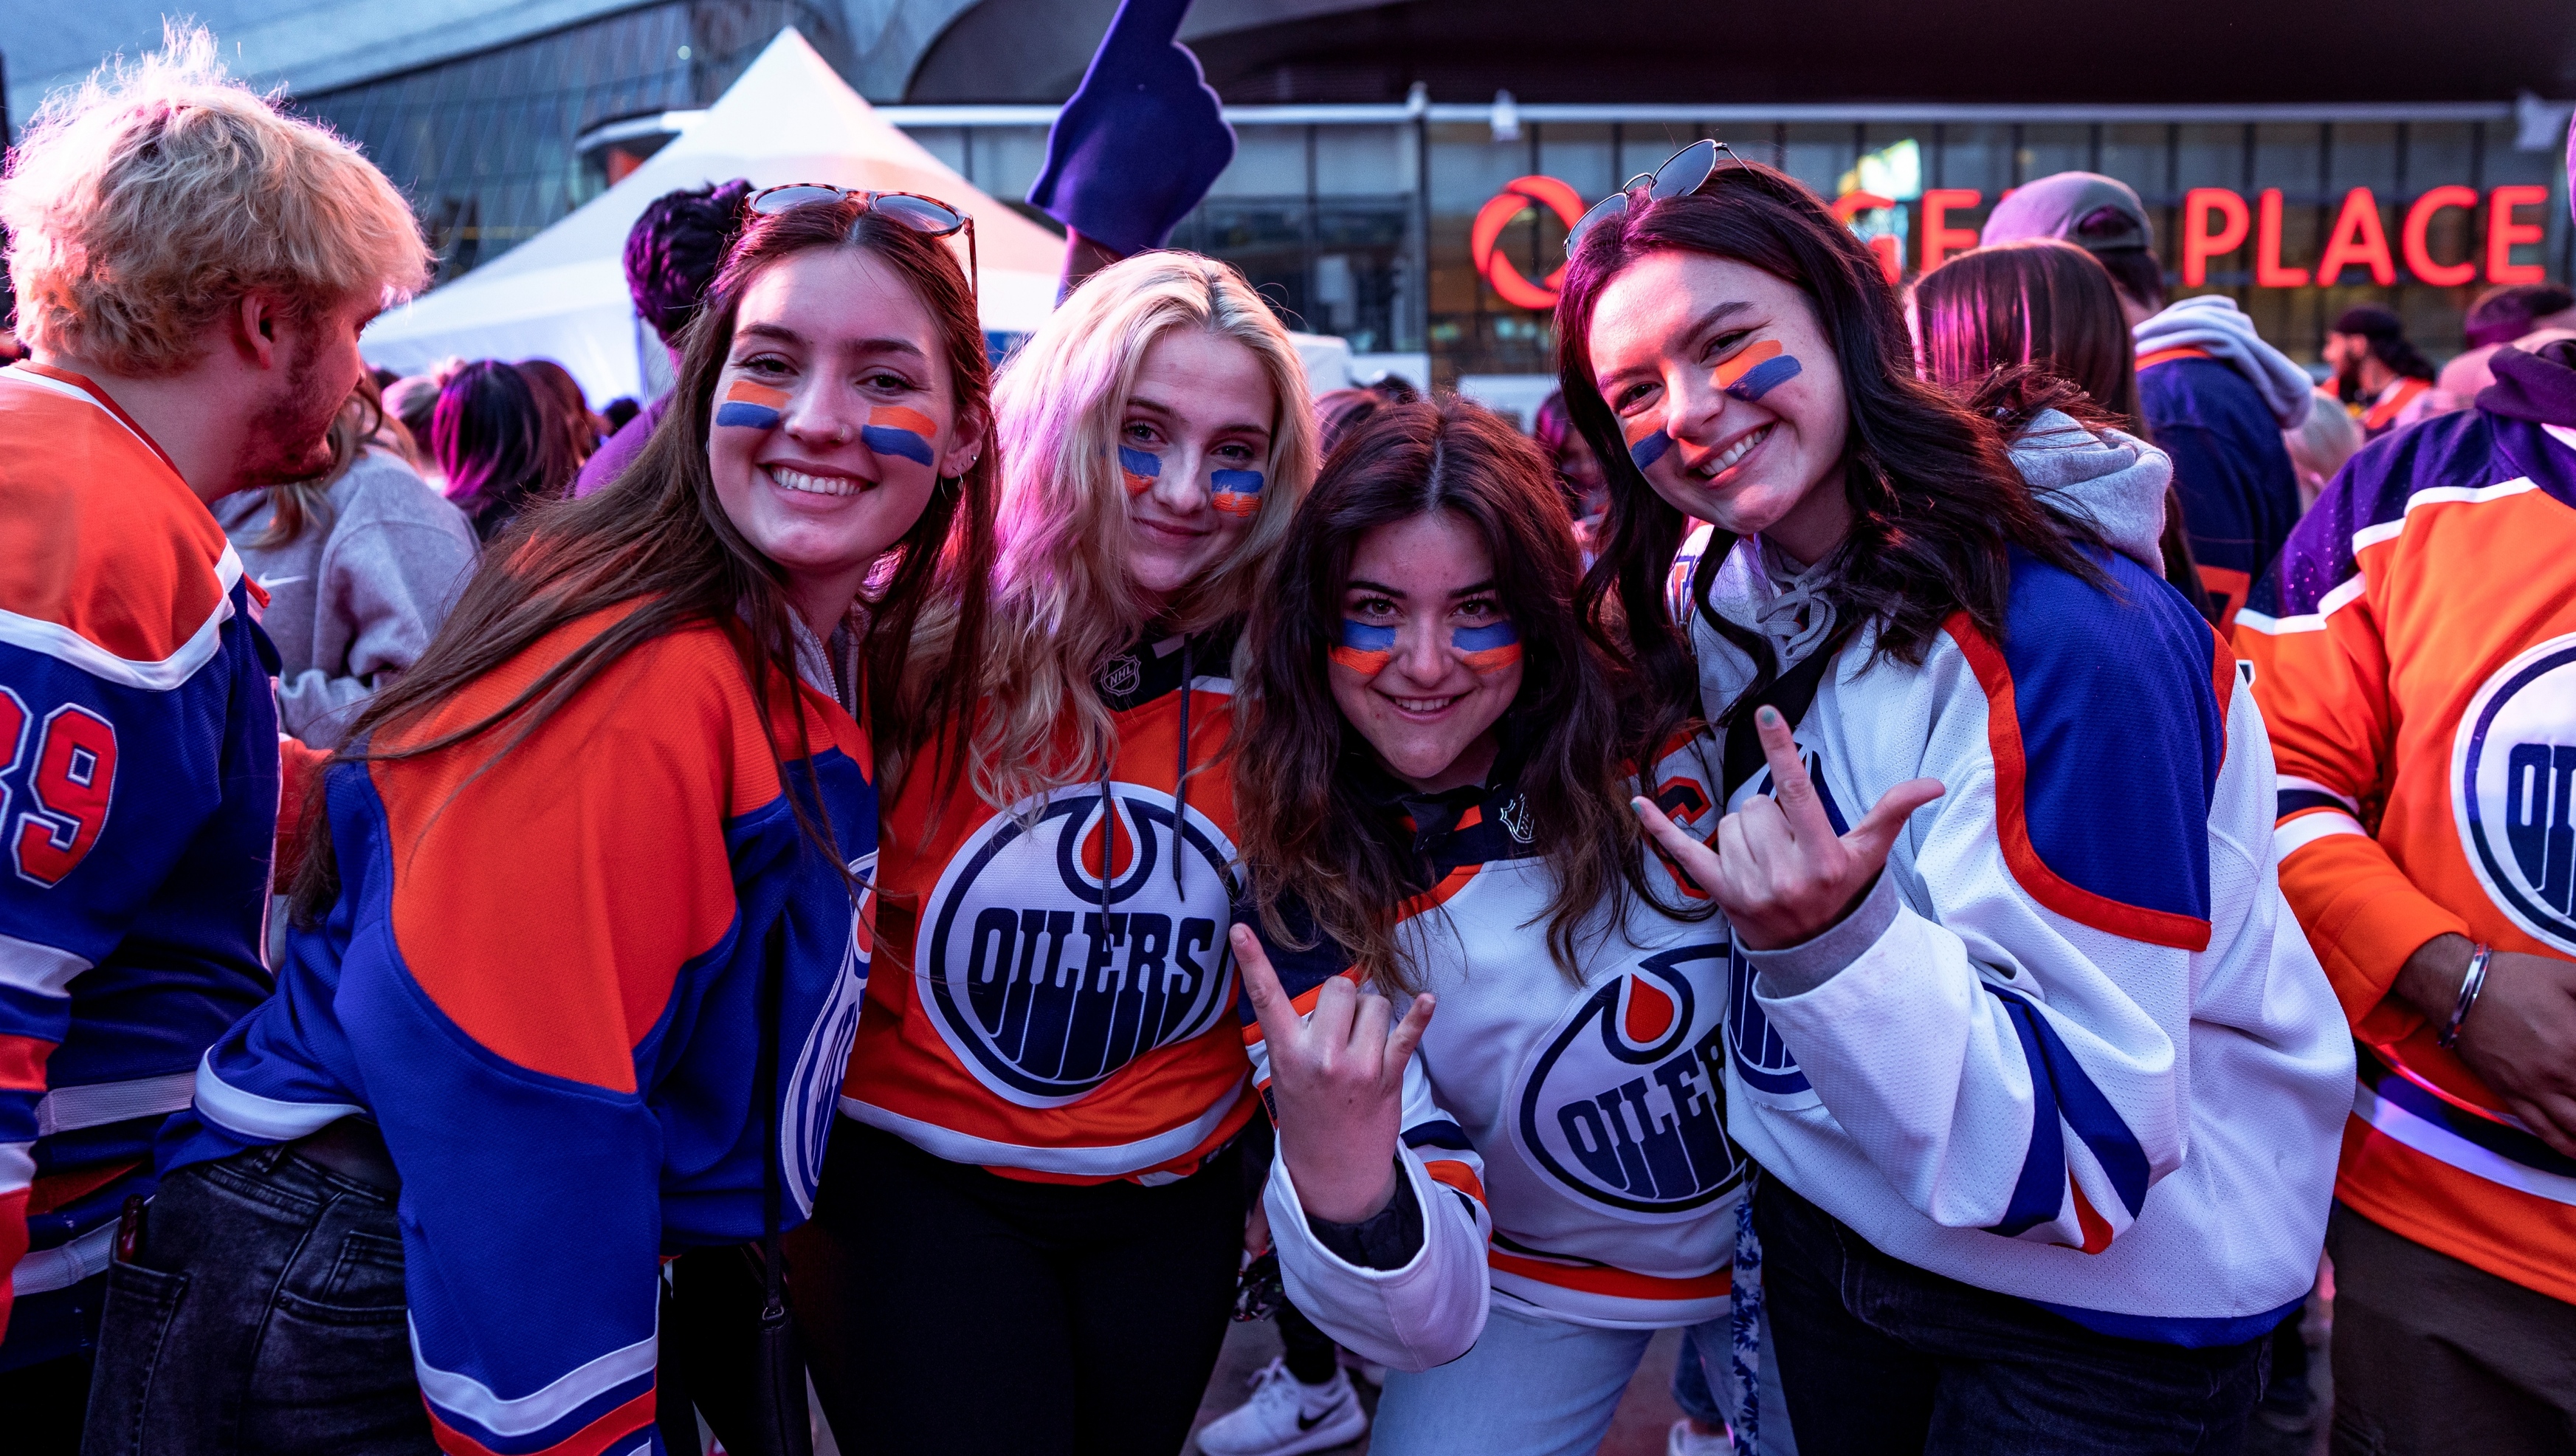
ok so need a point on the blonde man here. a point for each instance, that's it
(192, 269)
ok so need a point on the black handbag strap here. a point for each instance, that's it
(1792, 692)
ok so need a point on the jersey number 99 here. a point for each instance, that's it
(71, 778)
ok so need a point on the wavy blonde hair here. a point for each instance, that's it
(146, 203)
(1063, 600)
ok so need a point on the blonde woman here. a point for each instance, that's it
(1036, 1174)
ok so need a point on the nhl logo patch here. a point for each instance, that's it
(1516, 818)
(1121, 676)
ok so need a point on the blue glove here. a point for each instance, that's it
(1142, 140)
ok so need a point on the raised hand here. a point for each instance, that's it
(1776, 867)
(1337, 1082)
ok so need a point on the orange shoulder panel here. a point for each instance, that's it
(546, 898)
(97, 533)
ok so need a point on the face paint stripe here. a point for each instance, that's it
(902, 444)
(898, 417)
(1140, 467)
(1480, 639)
(1365, 649)
(1238, 492)
(1648, 449)
(751, 406)
(1742, 364)
(1494, 659)
(1764, 378)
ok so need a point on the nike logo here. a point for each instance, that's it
(1308, 1423)
(272, 583)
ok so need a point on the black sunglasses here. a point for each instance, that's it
(926, 215)
(1683, 173)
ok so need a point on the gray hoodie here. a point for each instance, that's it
(357, 598)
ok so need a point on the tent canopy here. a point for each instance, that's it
(562, 295)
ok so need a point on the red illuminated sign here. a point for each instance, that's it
(2215, 223)
(1516, 199)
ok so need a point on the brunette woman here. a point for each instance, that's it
(1434, 817)
(1028, 1241)
(1996, 860)
(582, 936)
(2030, 333)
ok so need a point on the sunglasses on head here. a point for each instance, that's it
(926, 215)
(1683, 173)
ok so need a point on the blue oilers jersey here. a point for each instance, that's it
(138, 800)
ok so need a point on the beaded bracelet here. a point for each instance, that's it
(2470, 985)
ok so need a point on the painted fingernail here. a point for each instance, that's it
(1769, 717)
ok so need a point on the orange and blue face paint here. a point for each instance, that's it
(751, 406)
(1365, 649)
(1141, 468)
(1647, 441)
(1238, 492)
(1489, 648)
(1757, 371)
(902, 433)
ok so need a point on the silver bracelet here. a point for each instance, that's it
(2470, 985)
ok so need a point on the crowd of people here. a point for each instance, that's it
(1955, 845)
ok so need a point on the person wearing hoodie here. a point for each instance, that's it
(360, 566)
(2042, 1081)
(2412, 654)
(1046, 1088)
(2213, 395)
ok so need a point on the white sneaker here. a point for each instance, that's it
(1284, 1418)
(1686, 1441)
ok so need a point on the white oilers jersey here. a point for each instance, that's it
(2073, 1047)
(1578, 1128)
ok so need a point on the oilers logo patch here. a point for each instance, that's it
(813, 1088)
(1052, 955)
(1625, 1103)
(2513, 777)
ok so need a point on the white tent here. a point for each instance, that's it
(562, 295)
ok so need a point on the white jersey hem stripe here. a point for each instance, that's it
(68, 1109)
(47, 1270)
(43, 969)
(538, 1409)
(2445, 1146)
(263, 1118)
(1118, 1161)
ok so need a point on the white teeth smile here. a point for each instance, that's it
(1425, 705)
(1737, 451)
(786, 479)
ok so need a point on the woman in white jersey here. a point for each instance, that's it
(2043, 1082)
(1433, 812)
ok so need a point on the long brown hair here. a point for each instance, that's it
(658, 537)
(1309, 831)
(2001, 326)
(1936, 503)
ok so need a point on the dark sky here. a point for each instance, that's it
(2072, 51)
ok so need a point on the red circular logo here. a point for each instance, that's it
(1516, 199)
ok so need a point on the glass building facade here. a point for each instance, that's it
(1356, 219)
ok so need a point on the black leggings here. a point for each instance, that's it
(949, 1310)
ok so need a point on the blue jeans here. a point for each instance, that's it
(264, 1313)
(1880, 1356)
(1531, 1387)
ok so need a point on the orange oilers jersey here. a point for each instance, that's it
(543, 981)
(1055, 993)
(138, 806)
(2415, 656)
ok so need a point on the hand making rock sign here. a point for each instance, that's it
(1336, 1082)
(1776, 866)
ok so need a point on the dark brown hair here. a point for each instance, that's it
(1936, 503)
(1309, 830)
(2039, 302)
(658, 537)
(569, 434)
(2035, 325)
